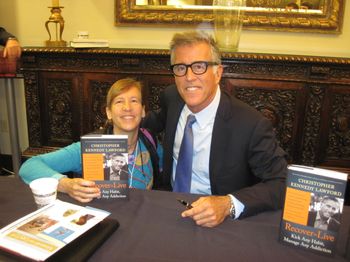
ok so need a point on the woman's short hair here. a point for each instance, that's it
(121, 86)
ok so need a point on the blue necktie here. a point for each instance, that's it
(183, 172)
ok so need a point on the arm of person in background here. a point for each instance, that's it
(67, 159)
(155, 120)
(12, 48)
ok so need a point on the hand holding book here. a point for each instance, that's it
(79, 189)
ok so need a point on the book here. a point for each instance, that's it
(312, 209)
(43, 233)
(88, 43)
(105, 161)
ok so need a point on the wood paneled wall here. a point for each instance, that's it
(306, 98)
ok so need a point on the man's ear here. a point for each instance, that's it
(143, 112)
(218, 73)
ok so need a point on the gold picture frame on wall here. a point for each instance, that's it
(325, 17)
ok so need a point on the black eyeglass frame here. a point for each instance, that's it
(207, 63)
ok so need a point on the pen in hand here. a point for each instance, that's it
(185, 203)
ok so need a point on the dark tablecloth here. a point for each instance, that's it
(151, 229)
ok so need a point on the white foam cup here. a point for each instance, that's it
(44, 190)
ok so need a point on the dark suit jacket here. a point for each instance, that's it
(245, 159)
(333, 224)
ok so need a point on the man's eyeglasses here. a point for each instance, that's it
(198, 68)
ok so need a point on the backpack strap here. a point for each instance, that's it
(149, 137)
(150, 142)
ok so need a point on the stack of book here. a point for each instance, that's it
(54, 232)
(89, 43)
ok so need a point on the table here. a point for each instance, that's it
(151, 229)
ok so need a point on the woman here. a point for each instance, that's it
(125, 111)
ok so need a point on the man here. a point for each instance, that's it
(235, 153)
(326, 218)
(12, 48)
(118, 169)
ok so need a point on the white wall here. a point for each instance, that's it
(26, 18)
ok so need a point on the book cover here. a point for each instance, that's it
(313, 207)
(42, 233)
(105, 161)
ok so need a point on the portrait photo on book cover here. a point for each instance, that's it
(325, 212)
(116, 166)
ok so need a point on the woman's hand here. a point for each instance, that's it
(79, 189)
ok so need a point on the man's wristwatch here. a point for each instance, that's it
(232, 208)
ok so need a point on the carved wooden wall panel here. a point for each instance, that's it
(153, 86)
(95, 89)
(33, 108)
(335, 140)
(312, 125)
(306, 98)
(262, 70)
(60, 108)
(279, 102)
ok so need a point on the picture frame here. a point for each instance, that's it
(326, 17)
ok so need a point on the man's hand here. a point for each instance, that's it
(12, 49)
(79, 189)
(209, 211)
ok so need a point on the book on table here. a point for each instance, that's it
(105, 161)
(313, 208)
(53, 229)
(89, 43)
